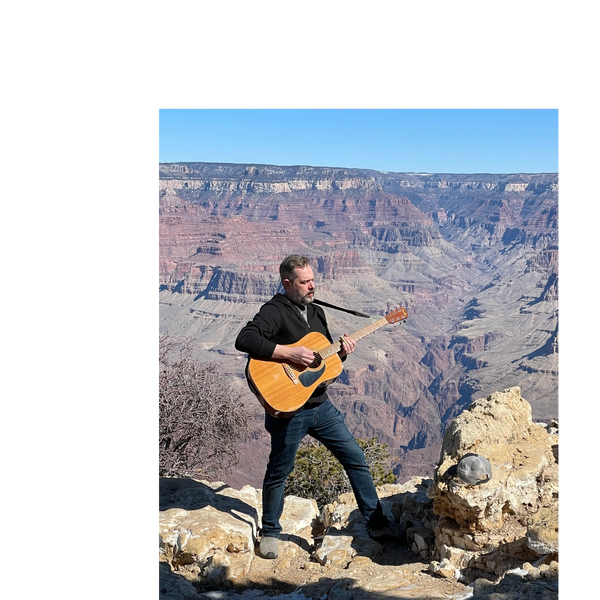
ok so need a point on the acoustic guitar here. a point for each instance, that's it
(283, 388)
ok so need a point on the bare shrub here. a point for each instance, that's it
(201, 416)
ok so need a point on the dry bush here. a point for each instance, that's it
(201, 416)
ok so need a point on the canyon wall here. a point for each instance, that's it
(473, 258)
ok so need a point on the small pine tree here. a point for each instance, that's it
(318, 474)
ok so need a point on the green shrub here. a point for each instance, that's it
(319, 475)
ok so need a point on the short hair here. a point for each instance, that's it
(287, 266)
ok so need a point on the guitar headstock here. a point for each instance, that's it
(396, 315)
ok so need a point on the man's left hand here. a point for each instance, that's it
(348, 345)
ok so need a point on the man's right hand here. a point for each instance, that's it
(299, 355)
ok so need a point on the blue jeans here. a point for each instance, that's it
(325, 423)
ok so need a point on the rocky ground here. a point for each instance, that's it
(287, 574)
(494, 541)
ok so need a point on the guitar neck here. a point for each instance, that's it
(361, 333)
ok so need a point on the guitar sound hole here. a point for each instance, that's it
(315, 363)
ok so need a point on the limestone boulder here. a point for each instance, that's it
(542, 533)
(208, 530)
(524, 474)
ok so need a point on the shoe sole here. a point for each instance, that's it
(267, 555)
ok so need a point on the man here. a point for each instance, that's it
(284, 320)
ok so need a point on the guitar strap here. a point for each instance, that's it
(352, 312)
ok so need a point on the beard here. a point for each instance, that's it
(302, 300)
(308, 299)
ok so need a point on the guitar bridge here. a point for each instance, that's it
(290, 373)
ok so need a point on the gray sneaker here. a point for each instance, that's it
(268, 547)
(391, 530)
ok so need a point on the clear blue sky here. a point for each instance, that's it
(419, 140)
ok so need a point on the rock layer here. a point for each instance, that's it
(472, 257)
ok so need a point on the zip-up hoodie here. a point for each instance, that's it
(279, 321)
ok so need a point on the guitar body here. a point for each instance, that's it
(283, 388)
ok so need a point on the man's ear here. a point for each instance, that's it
(287, 284)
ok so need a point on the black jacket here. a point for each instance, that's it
(279, 321)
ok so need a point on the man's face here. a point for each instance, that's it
(302, 288)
